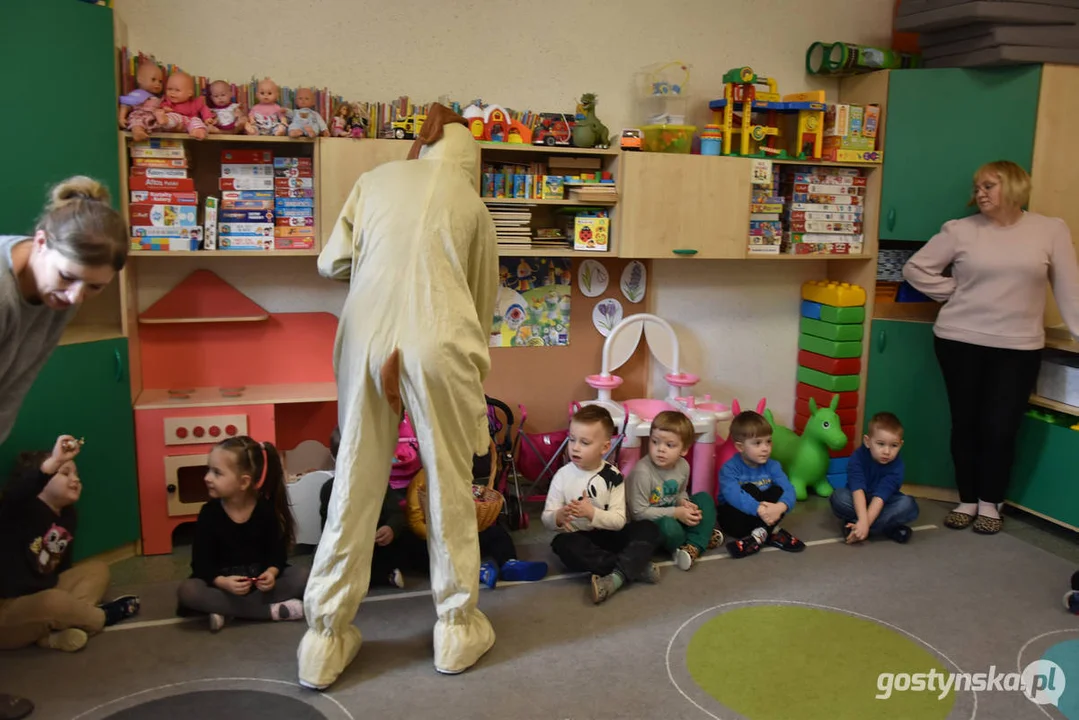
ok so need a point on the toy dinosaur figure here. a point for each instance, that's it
(588, 131)
(805, 458)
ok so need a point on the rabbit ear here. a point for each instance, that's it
(761, 405)
(735, 407)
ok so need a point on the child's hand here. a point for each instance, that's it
(562, 518)
(235, 584)
(769, 512)
(859, 531)
(65, 450)
(690, 515)
(582, 508)
(384, 536)
(266, 581)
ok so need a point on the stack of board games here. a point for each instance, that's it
(825, 210)
(163, 208)
(294, 203)
(246, 217)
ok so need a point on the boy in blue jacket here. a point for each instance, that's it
(871, 504)
(754, 492)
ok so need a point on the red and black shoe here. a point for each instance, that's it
(744, 547)
(785, 541)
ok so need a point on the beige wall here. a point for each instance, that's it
(538, 55)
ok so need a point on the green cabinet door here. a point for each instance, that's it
(63, 48)
(904, 379)
(84, 391)
(1043, 477)
(942, 125)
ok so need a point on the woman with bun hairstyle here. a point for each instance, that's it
(78, 246)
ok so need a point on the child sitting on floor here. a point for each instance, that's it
(43, 599)
(871, 503)
(657, 492)
(239, 565)
(396, 548)
(754, 492)
(586, 506)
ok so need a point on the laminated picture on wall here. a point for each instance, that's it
(533, 302)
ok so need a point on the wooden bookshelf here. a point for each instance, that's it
(224, 138)
(547, 149)
(549, 201)
(553, 252)
(803, 258)
(222, 253)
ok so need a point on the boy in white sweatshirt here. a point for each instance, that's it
(586, 506)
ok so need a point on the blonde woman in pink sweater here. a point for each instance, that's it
(990, 331)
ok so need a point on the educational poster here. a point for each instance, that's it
(533, 302)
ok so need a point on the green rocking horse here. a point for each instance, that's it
(805, 458)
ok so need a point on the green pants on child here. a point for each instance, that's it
(675, 534)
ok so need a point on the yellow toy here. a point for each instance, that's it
(836, 294)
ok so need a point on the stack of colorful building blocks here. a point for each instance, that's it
(830, 360)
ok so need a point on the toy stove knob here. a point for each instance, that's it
(170, 488)
(230, 430)
(199, 431)
(181, 432)
(214, 431)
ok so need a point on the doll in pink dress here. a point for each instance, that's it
(184, 110)
(228, 115)
(140, 110)
(267, 118)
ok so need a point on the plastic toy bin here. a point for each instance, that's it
(668, 138)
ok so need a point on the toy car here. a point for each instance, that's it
(553, 129)
(631, 139)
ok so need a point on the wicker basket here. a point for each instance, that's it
(488, 500)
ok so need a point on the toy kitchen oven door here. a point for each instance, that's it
(173, 449)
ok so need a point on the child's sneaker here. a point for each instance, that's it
(397, 579)
(900, 533)
(717, 539)
(69, 640)
(603, 586)
(488, 575)
(685, 556)
(217, 621)
(120, 608)
(523, 571)
(744, 547)
(650, 574)
(1071, 602)
(785, 541)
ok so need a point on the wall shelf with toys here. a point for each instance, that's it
(547, 149)
(228, 138)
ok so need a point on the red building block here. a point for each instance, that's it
(832, 366)
(824, 397)
(847, 416)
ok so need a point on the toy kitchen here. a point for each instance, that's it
(214, 365)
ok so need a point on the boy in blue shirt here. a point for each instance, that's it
(754, 492)
(871, 504)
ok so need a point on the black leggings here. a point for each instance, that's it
(736, 523)
(601, 552)
(988, 390)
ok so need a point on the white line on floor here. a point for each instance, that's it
(425, 593)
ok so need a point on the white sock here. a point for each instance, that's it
(760, 535)
(397, 579)
(966, 508)
(988, 509)
(287, 610)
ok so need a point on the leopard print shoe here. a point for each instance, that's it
(987, 525)
(958, 521)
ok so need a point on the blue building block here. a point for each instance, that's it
(811, 309)
(838, 465)
(837, 480)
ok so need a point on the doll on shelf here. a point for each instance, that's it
(267, 117)
(341, 125)
(140, 110)
(228, 115)
(184, 110)
(305, 119)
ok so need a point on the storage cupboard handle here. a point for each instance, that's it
(882, 340)
(891, 219)
(119, 365)
(684, 251)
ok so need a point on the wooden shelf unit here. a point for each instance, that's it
(1054, 405)
(547, 149)
(548, 201)
(225, 138)
(223, 253)
(159, 399)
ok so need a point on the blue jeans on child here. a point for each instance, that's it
(899, 509)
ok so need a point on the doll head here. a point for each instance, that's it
(220, 94)
(150, 77)
(305, 98)
(344, 110)
(268, 92)
(180, 88)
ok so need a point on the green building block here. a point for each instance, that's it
(832, 383)
(831, 331)
(829, 348)
(842, 315)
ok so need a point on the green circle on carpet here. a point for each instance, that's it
(798, 663)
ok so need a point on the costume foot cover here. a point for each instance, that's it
(324, 655)
(461, 640)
